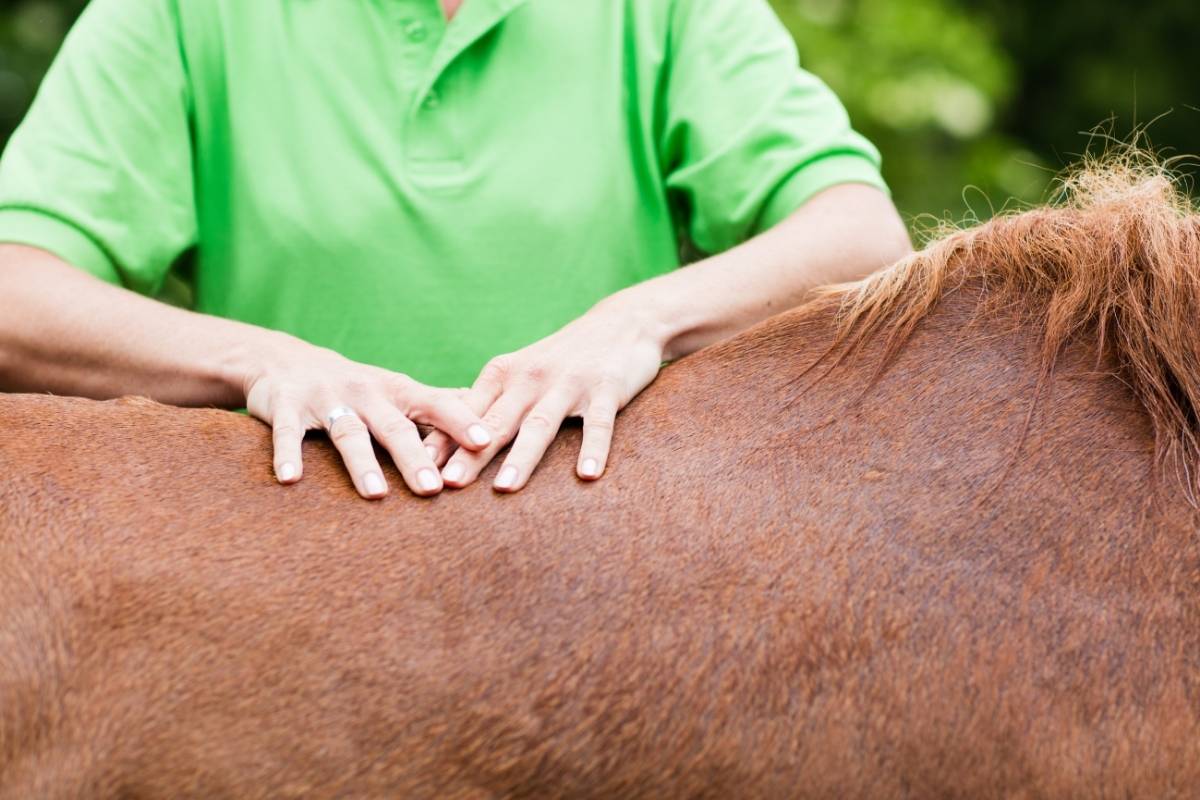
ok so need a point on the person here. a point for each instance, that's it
(376, 203)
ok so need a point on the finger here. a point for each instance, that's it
(598, 422)
(538, 430)
(440, 446)
(400, 437)
(287, 434)
(449, 413)
(353, 440)
(490, 384)
(502, 419)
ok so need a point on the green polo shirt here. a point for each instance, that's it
(417, 194)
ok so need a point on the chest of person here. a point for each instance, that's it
(337, 119)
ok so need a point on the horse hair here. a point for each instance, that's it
(1115, 255)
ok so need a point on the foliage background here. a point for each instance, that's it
(975, 103)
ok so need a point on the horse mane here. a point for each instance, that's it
(1115, 257)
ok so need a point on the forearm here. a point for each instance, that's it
(842, 234)
(64, 331)
(594, 366)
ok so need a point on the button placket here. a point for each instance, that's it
(431, 141)
(418, 26)
(414, 33)
(416, 30)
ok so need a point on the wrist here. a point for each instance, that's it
(636, 310)
(248, 353)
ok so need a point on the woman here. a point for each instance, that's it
(374, 197)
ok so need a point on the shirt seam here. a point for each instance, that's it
(65, 222)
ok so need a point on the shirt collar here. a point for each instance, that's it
(474, 19)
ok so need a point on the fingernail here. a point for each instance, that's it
(479, 435)
(507, 478)
(374, 483)
(428, 480)
(454, 472)
(433, 451)
(286, 472)
(590, 468)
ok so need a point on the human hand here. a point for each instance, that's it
(299, 385)
(591, 368)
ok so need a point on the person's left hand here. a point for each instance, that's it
(591, 369)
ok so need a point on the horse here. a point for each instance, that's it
(932, 534)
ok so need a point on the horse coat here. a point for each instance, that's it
(931, 535)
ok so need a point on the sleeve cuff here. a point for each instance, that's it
(55, 235)
(815, 177)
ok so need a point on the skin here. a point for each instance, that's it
(918, 539)
(108, 342)
(801, 583)
(593, 367)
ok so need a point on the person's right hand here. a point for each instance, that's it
(300, 384)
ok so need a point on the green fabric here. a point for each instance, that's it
(417, 194)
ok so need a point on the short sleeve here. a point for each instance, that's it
(100, 170)
(747, 135)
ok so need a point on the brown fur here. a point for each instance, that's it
(1116, 260)
(789, 585)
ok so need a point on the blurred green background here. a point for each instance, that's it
(974, 103)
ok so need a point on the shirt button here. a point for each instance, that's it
(416, 30)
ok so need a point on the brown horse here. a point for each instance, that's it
(931, 536)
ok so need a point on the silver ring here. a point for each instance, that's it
(336, 414)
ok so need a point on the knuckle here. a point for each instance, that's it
(412, 408)
(535, 373)
(355, 387)
(396, 427)
(347, 429)
(539, 422)
(599, 424)
(321, 400)
(609, 382)
(498, 425)
(498, 369)
(398, 385)
(573, 383)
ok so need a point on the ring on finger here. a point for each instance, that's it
(336, 414)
